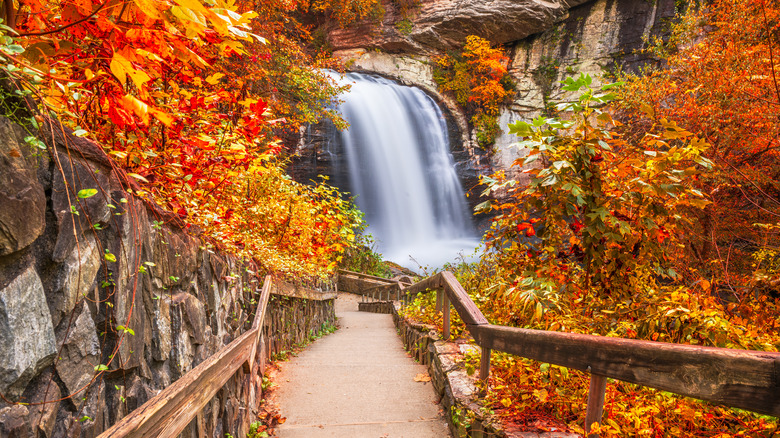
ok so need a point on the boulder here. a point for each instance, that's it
(14, 422)
(78, 214)
(22, 199)
(27, 342)
(80, 353)
(77, 276)
(43, 396)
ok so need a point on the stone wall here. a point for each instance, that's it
(466, 415)
(105, 300)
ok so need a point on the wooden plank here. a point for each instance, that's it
(738, 378)
(365, 276)
(595, 410)
(468, 311)
(269, 286)
(445, 308)
(170, 411)
(262, 304)
(432, 283)
(484, 365)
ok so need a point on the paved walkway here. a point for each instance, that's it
(357, 382)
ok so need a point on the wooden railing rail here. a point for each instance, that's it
(737, 378)
(170, 411)
(388, 289)
(365, 276)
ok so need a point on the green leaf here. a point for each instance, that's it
(530, 159)
(33, 141)
(521, 129)
(80, 132)
(101, 367)
(86, 193)
(550, 180)
(109, 257)
(126, 330)
(15, 48)
(483, 207)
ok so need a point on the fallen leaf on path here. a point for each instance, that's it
(422, 377)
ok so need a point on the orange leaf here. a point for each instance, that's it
(138, 107)
(151, 8)
(83, 6)
(422, 377)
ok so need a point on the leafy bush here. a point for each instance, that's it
(478, 79)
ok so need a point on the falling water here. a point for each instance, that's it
(402, 173)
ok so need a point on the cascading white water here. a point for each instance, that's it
(402, 172)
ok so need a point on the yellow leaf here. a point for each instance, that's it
(121, 67)
(118, 68)
(138, 107)
(193, 5)
(138, 177)
(164, 117)
(152, 8)
(214, 79)
(422, 377)
(185, 14)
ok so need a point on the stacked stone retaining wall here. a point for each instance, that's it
(105, 300)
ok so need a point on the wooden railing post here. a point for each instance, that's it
(446, 313)
(439, 297)
(598, 387)
(484, 368)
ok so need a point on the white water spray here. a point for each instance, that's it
(403, 174)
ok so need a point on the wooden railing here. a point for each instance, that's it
(737, 378)
(380, 288)
(170, 411)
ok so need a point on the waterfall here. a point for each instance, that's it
(402, 173)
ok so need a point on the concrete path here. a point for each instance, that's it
(357, 382)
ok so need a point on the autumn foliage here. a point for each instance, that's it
(722, 82)
(478, 79)
(651, 218)
(189, 97)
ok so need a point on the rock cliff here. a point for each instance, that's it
(444, 24)
(546, 41)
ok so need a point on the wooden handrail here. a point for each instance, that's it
(737, 378)
(365, 276)
(170, 411)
